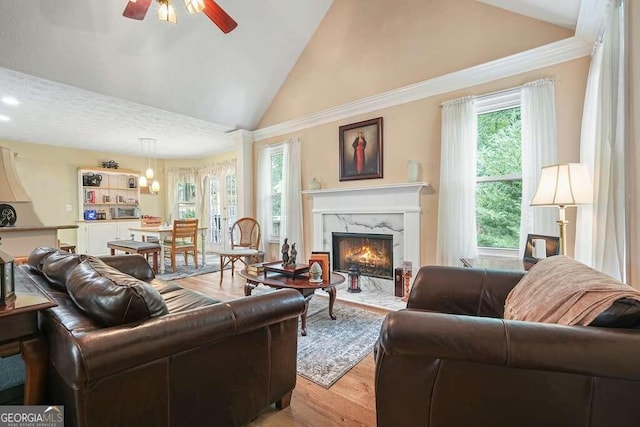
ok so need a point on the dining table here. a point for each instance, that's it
(162, 232)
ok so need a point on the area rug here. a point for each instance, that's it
(182, 270)
(332, 347)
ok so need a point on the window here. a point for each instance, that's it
(499, 172)
(186, 200)
(275, 188)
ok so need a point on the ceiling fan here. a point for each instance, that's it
(137, 9)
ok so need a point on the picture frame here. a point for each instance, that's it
(551, 245)
(360, 150)
(324, 258)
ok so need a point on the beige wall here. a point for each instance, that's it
(197, 163)
(419, 40)
(49, 175)
(365, 47)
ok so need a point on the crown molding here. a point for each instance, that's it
(550, 54)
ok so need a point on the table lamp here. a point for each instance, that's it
(562, 185)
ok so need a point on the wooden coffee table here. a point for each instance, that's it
(299, 283)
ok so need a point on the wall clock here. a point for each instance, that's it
(8, 215)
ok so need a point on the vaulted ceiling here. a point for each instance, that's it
(87, 77)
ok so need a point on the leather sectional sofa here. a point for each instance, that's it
(450, 359)
(127, 349)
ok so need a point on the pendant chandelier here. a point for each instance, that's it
(149, 176)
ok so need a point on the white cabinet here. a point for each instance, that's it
(123, 229)
(94, 235)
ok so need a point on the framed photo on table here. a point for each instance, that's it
(360, 150)
(325, 263)
(540, 246)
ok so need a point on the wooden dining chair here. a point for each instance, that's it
(150, 221)
(184, 240)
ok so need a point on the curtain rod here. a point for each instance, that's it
(498, 92)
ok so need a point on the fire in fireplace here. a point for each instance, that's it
(371, 253)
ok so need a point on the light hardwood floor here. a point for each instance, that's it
(349, 402)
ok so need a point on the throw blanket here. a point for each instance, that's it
(561, 290)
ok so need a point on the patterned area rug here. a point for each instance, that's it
(182, 270)
(332, 347)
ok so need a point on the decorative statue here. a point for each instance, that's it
(315, 271)
(285, 252)
(294, 255)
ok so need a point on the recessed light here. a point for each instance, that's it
(10, 100)
(4, 118)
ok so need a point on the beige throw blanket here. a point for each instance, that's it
(561, 290)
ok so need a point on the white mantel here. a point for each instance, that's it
(396, 201)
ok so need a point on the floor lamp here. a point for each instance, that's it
(562, 185)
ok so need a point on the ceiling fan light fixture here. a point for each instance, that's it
(194, 6)
(167, 12)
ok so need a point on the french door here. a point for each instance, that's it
(222, 210)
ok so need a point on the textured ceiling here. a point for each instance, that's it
(122, 79)
(55, 114)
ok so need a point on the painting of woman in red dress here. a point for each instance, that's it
(359, 144)
(360, 150)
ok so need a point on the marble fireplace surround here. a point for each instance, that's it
(386, 209)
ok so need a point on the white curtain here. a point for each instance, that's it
(584, 218)
(291, 222)
(263, 199)
(601, 231)
(539, 148)
(457, 236)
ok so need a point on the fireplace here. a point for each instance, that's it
(371, 253)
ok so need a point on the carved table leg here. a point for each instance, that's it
(303, 316)
(332, 299)
(35, 353)
(248, 288)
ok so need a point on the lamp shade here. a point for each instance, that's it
(566, 184)
(11, 189)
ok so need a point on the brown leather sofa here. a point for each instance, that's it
(450, 359)
(199, 362)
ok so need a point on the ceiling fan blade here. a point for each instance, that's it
(136, 9)
(219, 16)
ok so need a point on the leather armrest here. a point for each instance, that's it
(525, 345)
(459, 290)
(99, 353)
